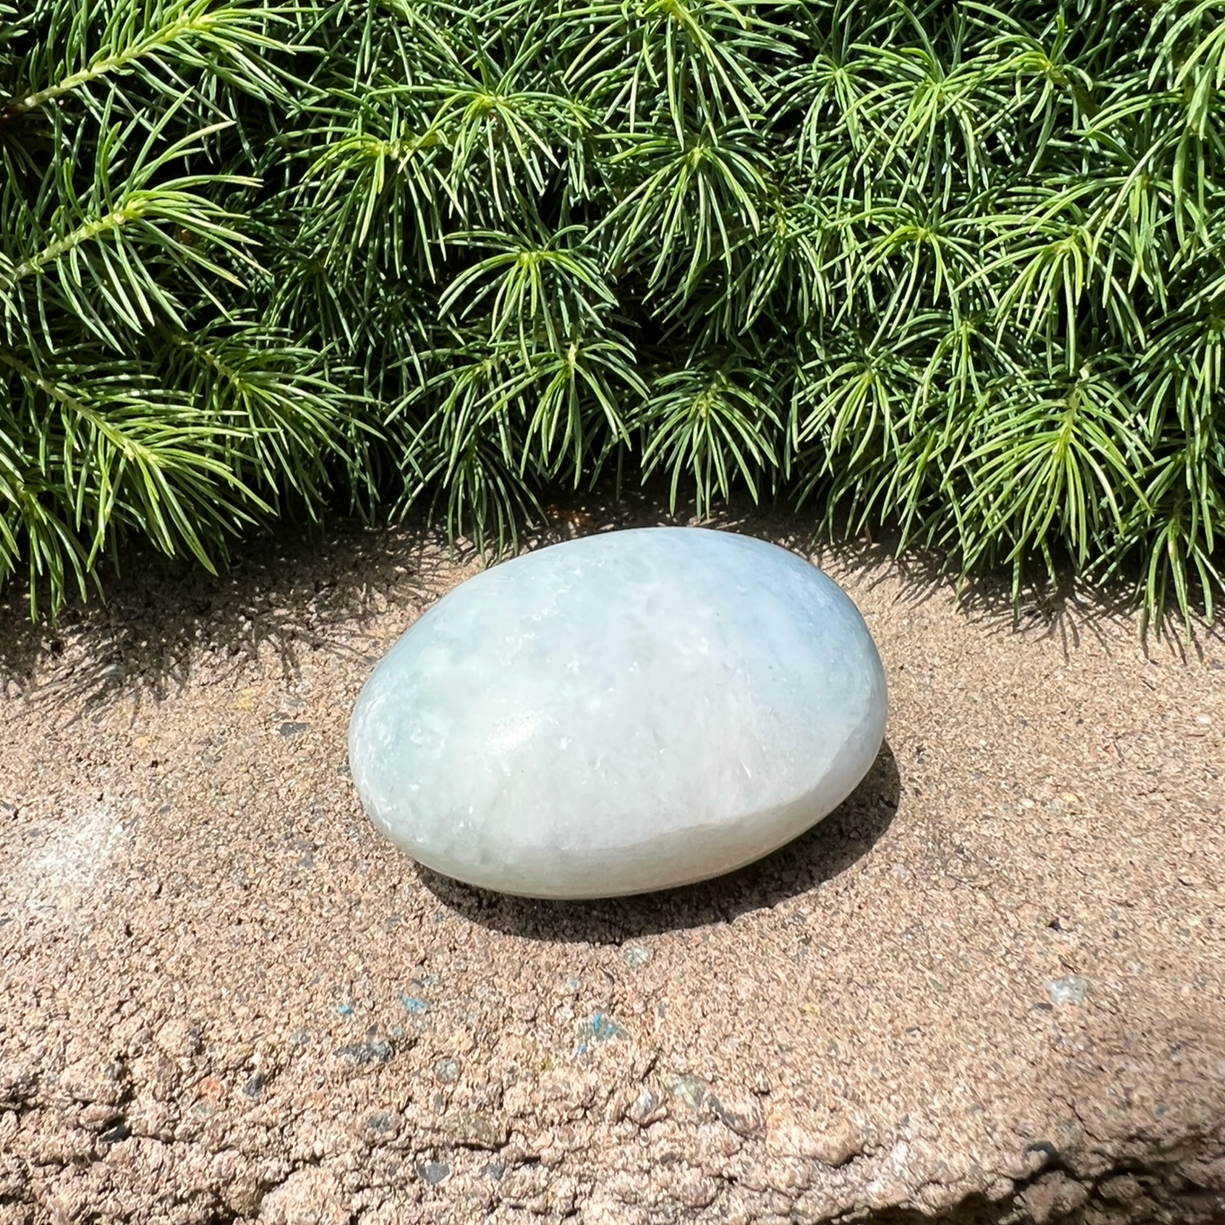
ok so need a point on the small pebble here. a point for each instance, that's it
(636, 955)
(433, 1172)
(690, 1089)
(1067, 990)
(645, 1109)
(601, 1028)
(447, 1071)
(376, 1050)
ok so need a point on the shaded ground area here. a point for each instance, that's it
(991, 987)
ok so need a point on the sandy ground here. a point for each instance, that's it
(991, 987)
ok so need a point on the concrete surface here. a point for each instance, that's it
(988, 989)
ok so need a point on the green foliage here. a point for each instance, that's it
(954, 267)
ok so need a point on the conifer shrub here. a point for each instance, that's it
(958, 268)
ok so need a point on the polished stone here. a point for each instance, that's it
(621, 713)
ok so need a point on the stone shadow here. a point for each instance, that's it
(825, 851)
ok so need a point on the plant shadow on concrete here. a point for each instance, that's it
(828, 849)
(1068, 607)
(164, 618)
(319, 590)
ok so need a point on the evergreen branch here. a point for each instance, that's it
(134, 37)
(958, 268)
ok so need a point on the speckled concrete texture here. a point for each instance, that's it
(990, 988)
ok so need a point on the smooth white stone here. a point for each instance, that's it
(626, 712)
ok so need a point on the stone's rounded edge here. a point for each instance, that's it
(802, 815)
(357, 725)
(593, 891)
(594, 894)
(363, 769)
(357, 758)
(797, 829)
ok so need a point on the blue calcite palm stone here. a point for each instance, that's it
(621, 713)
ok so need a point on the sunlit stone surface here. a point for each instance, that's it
(621, 713)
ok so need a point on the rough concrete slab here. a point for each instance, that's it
(991, 988)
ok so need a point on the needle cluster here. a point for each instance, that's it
(956, 268)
